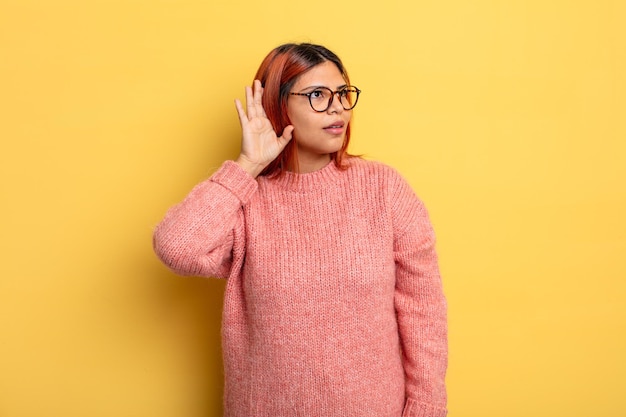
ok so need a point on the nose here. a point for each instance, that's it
(335, 105)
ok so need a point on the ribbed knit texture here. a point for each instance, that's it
(334, 305)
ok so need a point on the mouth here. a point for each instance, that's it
(336, 127)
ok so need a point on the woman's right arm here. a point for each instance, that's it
(196, 236)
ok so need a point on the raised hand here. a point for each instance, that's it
(260, 144)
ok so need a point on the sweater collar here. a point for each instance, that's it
(304, 182)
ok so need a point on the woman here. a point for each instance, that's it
(334, 304)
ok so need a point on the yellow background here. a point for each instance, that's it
(507, 117)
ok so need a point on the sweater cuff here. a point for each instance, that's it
(232, 177)
(413, 408)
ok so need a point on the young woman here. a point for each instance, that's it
(334, 304)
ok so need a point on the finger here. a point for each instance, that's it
(250, 105)
(258, 92)
(287, 135)
(243, 119)
(258, 98)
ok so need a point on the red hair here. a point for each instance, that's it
(278, 73)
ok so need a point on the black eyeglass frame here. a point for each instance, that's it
(332, 96)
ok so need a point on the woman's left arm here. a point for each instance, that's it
(420, 306)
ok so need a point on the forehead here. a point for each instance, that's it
(325, 74)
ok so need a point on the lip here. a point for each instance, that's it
(335, 128)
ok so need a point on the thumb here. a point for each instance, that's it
(287, 134)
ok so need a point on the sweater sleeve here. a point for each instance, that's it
(196, 236)
(420, 305)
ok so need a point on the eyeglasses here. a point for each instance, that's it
(322, 97)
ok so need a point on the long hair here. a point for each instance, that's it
(278, 73)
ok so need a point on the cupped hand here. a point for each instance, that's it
(260, 144)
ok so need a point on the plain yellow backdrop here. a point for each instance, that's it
(507, 117)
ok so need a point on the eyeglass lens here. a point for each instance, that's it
(322, 97)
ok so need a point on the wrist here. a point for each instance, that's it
(250, 167)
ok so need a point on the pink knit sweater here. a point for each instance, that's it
(334, 305)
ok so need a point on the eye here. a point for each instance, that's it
(318, 94)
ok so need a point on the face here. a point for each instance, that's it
(317, 134)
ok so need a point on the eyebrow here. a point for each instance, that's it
(314, 87)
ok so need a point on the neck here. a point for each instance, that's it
(307, 165)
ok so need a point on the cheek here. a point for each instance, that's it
(301, 122)
(294, 119)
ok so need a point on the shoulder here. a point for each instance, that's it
(378, 173)
(364, 167)
(386, 183)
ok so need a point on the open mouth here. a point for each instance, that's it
(336, 127)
